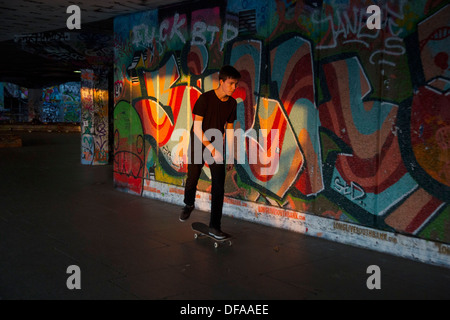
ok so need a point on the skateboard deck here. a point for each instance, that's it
(202, 230)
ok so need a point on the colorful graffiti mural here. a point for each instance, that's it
(94, 117)
(362, 114)
(59, 103)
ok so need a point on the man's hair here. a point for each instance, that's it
(229, 72)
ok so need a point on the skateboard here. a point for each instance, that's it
(202, 230)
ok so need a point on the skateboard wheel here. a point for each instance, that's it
(195, 236)
(230, 243)
(216, 245)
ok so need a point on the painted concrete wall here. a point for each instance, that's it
(60, 103)
(15, 103)
(94, 117)
(362, 155)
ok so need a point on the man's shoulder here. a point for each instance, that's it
(208, 93)
(232, 101)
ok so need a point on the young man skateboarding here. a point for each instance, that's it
(214, 112)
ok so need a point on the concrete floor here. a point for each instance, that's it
(55, 213)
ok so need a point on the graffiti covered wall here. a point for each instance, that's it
(94, 117)
(14, 103)
(60, 103)
(362, 114)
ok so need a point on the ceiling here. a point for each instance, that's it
(37, 48)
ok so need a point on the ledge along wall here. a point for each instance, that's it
(362, 154)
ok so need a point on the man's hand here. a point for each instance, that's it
(218, 157)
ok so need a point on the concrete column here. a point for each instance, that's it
(34, 104)
(94, 117)
(2, 101)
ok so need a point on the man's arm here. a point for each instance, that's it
(229, 130)
(198, 131)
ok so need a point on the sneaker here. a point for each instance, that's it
(218, 234)
(186, 213)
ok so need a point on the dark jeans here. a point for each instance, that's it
(217, 190)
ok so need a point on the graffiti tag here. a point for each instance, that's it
(354, 190)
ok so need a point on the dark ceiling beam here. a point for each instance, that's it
(31, 65)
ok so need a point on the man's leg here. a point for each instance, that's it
(217, 194)
(190, 189)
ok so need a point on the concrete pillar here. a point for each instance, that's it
(94, 117)
(34, 105)
(2, 100)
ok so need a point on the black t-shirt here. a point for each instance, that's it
(214, 111)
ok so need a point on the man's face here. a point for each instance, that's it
(229, 86)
